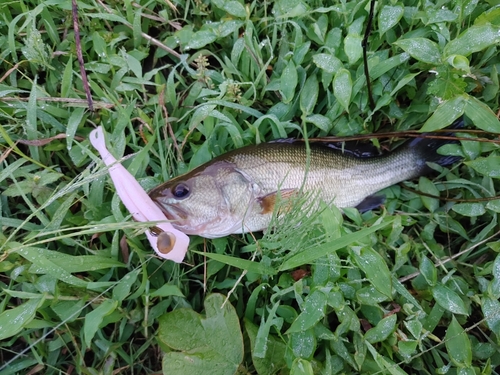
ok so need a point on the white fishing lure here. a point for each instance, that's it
(170, 243)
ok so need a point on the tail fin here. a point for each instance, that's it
(427, 148)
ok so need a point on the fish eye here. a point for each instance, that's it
(180, 191)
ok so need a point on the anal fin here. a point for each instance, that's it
(370, 202)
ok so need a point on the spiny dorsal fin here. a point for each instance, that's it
(352, 148)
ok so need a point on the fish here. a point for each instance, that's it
(239, 191)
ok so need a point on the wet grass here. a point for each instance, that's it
(411, 287)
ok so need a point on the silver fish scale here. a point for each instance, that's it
(336, 177)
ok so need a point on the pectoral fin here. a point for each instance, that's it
(268, 202)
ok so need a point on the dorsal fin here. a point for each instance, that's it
(352, 148)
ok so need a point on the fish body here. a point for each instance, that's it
(236, 192)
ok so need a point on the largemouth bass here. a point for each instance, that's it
(237, 192)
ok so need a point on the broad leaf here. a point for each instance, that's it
(342, 88)
(448, 299)
(445, 114)
(309, 95)
(488, 166)
(482, 115)
(13, 320)
(389, 17)
(458, 344)
(312, 311)
(375, 268)
(421, 49)
(469, 209)
(274, 360)
(491, 308)
(289, 80)
(428, 271)
(329, 63)
(382, 330)
(474, 39)
(94, 319)
(202, 345)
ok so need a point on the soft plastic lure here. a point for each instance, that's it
(167, 242)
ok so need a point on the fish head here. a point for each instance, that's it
(211, 201)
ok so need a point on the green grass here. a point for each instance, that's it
(412, 287)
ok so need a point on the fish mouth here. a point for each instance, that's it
(173, 213)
